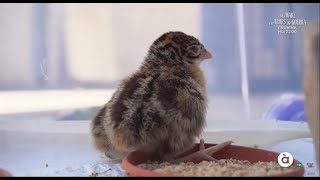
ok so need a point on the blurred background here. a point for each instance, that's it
(47, 47)
(61, 62)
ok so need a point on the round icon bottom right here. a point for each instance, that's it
(285, 159)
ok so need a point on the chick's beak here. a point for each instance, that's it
(205, 55)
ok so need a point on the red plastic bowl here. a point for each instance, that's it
(130, 162)
(4, 173)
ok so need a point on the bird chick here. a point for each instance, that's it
(160, 109)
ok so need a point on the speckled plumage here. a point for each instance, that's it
(161, 107)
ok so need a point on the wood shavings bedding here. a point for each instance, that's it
(223, 167)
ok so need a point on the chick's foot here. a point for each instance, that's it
(204, 154)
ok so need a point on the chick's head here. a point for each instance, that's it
(177, 48)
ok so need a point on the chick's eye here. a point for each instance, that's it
(194, 49)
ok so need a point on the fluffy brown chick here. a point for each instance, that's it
(160, 109)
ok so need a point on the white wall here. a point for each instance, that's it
(109, 41)
(16, 44)
(97, 42)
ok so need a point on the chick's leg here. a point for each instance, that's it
(204, 154)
